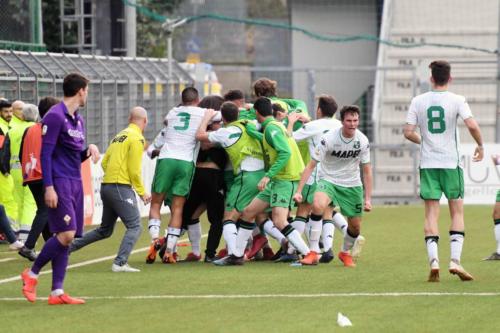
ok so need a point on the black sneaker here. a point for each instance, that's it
(277, 255)
(326, 257)
(287, 258)
(230, 260)
(29, 254)
(493, 256)
(209, 259)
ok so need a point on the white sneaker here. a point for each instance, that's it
(16, 246)
(358, 246)
(124, 268)
(434, 273)
(457, 269)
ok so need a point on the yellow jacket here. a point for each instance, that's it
(122, 163)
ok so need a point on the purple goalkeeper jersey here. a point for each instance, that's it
(63, 139)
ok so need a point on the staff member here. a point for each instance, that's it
(122, 165)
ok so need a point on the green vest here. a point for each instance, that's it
(4, 126)
(246, 146)
(16, 136)
(294, 167)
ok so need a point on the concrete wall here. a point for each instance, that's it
(334, 18)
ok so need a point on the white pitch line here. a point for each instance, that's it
(7, 259)
(88, 262)
(257, 296)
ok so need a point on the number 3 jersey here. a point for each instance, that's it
(436, 113)
(180, 134)
(340, 157)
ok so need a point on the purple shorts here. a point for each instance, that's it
(68, 215)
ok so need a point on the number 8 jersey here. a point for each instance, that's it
(436, 113)
(180, 136)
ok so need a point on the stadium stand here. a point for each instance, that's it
(473, 72)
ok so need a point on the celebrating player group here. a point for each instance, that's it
(259, 170)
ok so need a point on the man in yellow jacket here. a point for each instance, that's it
(24, 116)
(6, 182)
(122, 165)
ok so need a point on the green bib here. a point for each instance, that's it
(246, 146)
(294, 167)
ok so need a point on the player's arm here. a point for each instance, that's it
(202, 133)
(51, 128)
(308, 170)
(475, 132)
(411, 134)
(368, 185)
(277, 140)
(252, 131)
(134, 167)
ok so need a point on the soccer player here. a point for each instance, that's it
(436, 114)
(63, 151)
(312, 133)
(122, 165)
(340, 153)
(277, 187)
(31, 149)
(207, 192)
(496, 217)
(245, 154)
(174, 170)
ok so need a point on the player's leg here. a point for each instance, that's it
(214, 198)
(174, 228)
(320, 203)
(108, 220)
(124, 202)
(496, 220)
(431, 191)
(327, 234)
(452, 183)
(39, 222)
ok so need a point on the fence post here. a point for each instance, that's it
(311, 92)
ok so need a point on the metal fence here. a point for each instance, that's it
(116, 85)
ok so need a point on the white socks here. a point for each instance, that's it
(272, 231)
(172, 237)
(316, 225)
(244, 232)
(340, 222)
(497, 234)
(327, 235)
(348, 242)
(432, 247)
(194, 234)
(229, 231)
(456, 244)
(154, 228)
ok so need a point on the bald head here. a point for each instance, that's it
(139, 116)
(17, 109)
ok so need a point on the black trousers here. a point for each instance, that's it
(207, 188)
(39, 225)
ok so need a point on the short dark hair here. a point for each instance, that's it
(349, 109)
(189, 95)
(72, 84)
(233, 95)
(277, 108)
(327, 105)
(263, 106)
(45, 104)
(211, 102)
(265, 87)
(440, 70)
(229, 111)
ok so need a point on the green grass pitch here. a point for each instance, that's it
(386, 292)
